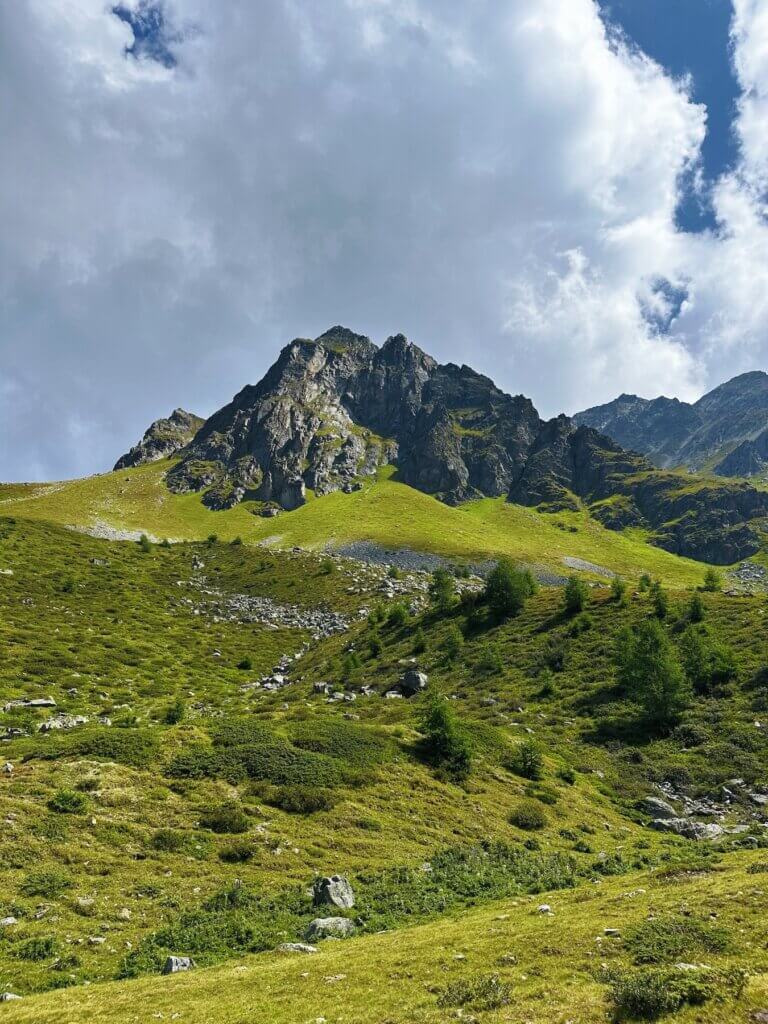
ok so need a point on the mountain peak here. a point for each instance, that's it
(162, 439)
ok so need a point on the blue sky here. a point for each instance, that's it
(691, 37)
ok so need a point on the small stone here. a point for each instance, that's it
(296, 947)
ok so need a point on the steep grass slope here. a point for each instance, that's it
(546, 968)
(385, 512)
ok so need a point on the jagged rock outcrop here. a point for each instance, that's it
(750, 458)
(673, 433)
(162, 439)
(331, 411)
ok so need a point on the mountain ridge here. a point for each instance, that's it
(331, 412)
(704, 434)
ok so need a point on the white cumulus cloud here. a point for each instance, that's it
(496, 179)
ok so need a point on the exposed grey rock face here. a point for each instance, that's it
(673, 433)
(750, 458)
(329, 927)
(163, 438)
(658, 808)
(174, 964)
(413, 682)
(332, 410)
(688, 829)
(334, 891)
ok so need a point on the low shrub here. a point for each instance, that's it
(529, 816)
(47, 883)
(358, 745)
(669, 938)
(68, 801)
(41, 947)
(237, 853)
(301, 799)
(652, 992)
(134, 747)
(168, 840)
(226, 818)
(481, 992)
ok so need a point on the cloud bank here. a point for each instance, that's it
(497, 180)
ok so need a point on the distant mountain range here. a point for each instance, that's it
(726, 431)
(331, 411)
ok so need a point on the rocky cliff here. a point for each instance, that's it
(332, 410)
(163, 438)
(698, 436)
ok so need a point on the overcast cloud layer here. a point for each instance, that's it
(497, 180)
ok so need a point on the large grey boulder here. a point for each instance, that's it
(175, 964)
(657, 808)
(329, 928)
(688, 829)
(334, 891)
(413, 682)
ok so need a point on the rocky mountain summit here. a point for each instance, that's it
(726, 430)
(331, 411)
(162, 439)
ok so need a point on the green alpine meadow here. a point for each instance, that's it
(350, 718)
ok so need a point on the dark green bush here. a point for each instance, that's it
(481, 992)
(68, 801)
(652, 992)
(226, 818)
(507, 589)
(47, 883)
(175, 713)
(445, 743)
(528, 815)
(526, 760)
(301, 799)
(237, 853)
(575, 596)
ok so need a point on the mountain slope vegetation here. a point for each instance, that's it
(199, 778)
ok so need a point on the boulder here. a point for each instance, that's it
(413, 682)
(175, 964)
(296, 947)
(657, 808)
(7, 997)
(329, 928)
(334, 891)
(687, 829)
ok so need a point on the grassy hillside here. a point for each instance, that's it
(386, 512)
(546, 968)
(189, 814)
